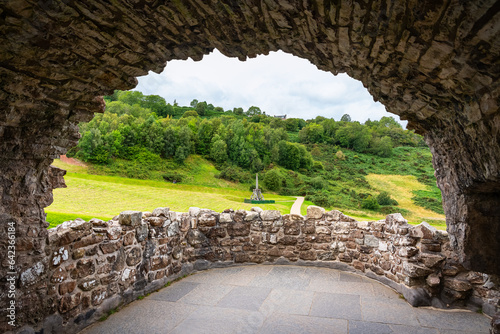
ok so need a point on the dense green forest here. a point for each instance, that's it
(325, 160)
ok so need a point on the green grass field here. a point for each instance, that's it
(100, 196)
(104, 197)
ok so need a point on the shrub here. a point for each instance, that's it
(172, 176)
(235, 174)
(273, 180)
(385, 199)
(318, 182)
(340, 155)
(370, 203)
(190, 113)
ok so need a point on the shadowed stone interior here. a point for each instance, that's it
(434, 63)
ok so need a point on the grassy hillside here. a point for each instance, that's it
(103, 197)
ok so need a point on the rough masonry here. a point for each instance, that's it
(434, 63)
(92, 267)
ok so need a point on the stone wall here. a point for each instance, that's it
(92, 267)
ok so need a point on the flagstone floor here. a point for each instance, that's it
(283, 299)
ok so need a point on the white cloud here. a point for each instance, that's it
(279, 84)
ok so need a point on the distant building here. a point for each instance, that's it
(280, 116)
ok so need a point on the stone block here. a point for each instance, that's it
(130, 218)
(396, 219)
(83, 268)
(59, 275)
(413, 270)
(69, 302)
(194, 211)
(315, 212)
(160, 212)
(110, 247)
(309, 255)
(433, 280)
(141, 232)
(207, 219)
(134, 256)
(251, 215)
(270, 215)
(423, 231)
(371, 241)
(88, 284)
(156, 221)
(457, 284)
(225, 218)
(67, 287)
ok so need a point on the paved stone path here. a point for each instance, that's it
(295, 210)
(283, 299)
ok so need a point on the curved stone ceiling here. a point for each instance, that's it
(435, 63)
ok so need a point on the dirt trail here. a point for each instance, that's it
(295, 210)
(72, 161)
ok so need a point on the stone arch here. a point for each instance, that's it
(434, 63)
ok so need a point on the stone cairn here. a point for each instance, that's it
(95, 266)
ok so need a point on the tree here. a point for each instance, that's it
(272, 180)
(218, 151)
(201, 108)
(190, 113)
(345, 118)
(156, 104)
(370, 203)
(311, 134)
(205, 132)
(385, 199)
(382, 146)
(131, 97)
(253, 111)
(194, 103)
(353, 135)
(238, 111)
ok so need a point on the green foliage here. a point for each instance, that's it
(429, 199)
(312, 133)
(273, 180)
(137, 133)
(345, 118)
(235, 174)
(190, 113)
(370, 203)
(384, 198)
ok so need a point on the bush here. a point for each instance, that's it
(340, 155)
(235, 174)
(190, 113)
(318, 182)
(370, 203)
(172, 176)
(321, 199)
(273, 180)
(385, 199)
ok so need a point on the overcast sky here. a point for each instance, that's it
(278, 84)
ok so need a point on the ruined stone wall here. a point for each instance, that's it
(92, 267)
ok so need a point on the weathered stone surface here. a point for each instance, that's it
(134, 256)
(457, 284)
(315, 212)
(433, 280)
(371, 241)
(225, 218)
(270, 215)
(131, 218)
(160, 212)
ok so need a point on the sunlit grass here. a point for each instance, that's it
(106, 196)
(400, 187)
